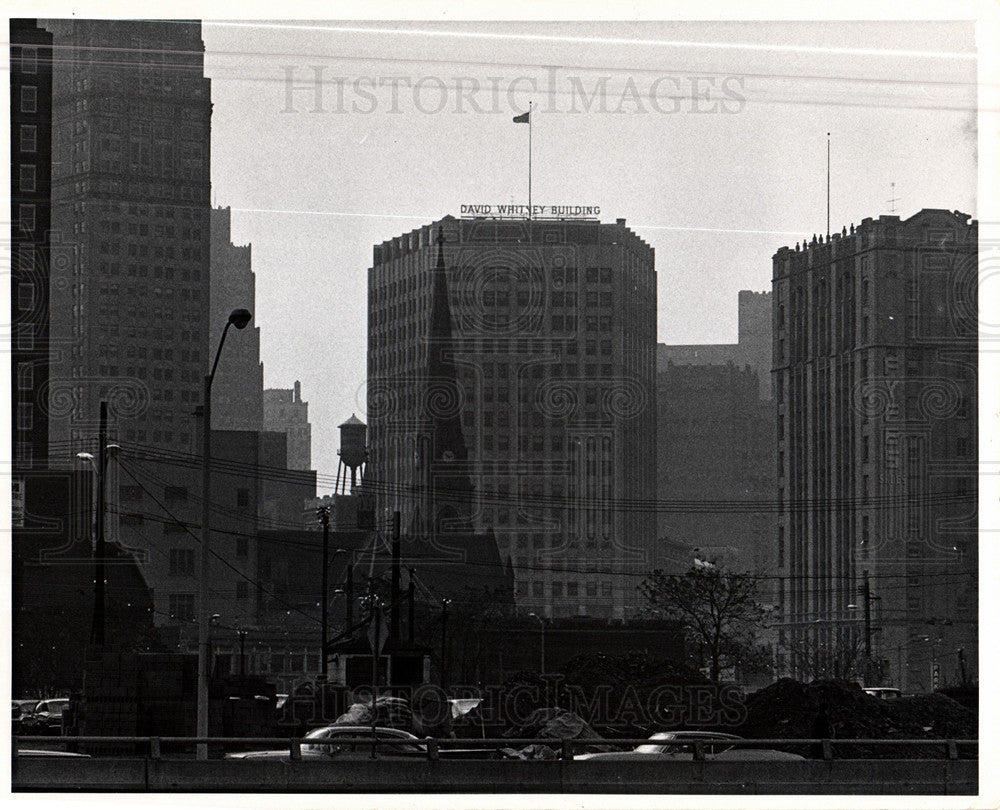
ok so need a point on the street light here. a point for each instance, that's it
(238, 318)
(100, 471)
(541, 623)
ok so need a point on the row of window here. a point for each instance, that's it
(559, 589)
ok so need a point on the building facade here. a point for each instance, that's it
(715, 468)
(30, 218)
(286, 412)
(238, 389)
(715, 447)
(130, 203)
(523, 403)
(875, 359)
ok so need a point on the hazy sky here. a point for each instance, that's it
(709, 138)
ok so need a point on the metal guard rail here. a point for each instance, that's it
(435, 745)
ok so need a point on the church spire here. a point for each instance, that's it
(448, 485)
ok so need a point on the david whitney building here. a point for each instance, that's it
(527, 350)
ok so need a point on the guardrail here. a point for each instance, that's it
(432, 747)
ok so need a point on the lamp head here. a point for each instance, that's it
(239, 318)
(85, 456)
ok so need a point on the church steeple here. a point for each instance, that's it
(449, 488)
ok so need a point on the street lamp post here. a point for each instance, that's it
(541, 624)
(100, 468)
(238, 318)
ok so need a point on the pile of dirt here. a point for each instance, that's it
(390, 712)
(789, 709)
(553, 724)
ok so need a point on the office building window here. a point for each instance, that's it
(242, 547)
(27, 177)
(25, 416)
(29, 138)
(29, 98)
(182, 606)
(26, 217)
(181, 562)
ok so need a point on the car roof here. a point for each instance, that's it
(690, 735)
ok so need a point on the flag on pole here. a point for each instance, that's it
(523, 118)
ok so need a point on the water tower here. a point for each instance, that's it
(353, 453)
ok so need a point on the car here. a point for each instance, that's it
(883, 692)
(323, 745)
(679, 746)
(674, 742)
(46, 718)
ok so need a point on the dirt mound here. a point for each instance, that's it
(789, 709)
(554, 724)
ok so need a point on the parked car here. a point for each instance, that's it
(326, 745)
(46, 718)
(883, 692)
(679, 745)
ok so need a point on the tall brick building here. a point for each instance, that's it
(875, 358)
(552, 419)
(286, 412)
(238, 389)
(30, 200)
(130, 198)
(715, 446)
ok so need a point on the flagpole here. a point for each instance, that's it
(827, 186)
(529, 159)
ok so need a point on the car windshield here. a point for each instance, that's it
(676, 743)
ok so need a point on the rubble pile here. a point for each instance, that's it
(789, 709)
(552, 724)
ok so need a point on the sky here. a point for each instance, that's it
(710, 139)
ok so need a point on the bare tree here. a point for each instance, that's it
(839, 655)
(719, 610)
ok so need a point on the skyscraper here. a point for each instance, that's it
(30, 196)
(286, 412)
(875, 358)
(238, 389)
(511, 387)
(130, 200)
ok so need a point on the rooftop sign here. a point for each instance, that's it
(532, 212)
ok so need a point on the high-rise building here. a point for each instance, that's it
(715, 468)
(130, 201)
(286, 412)
(752, 349)
(238, 388)
(875, 359)
(130, 306)
(30, 210)
(511, 388)
(715, 446)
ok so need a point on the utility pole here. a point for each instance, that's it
(866, 588)
(411, 592)
(444, 643)
(350, 595)
(243, 637)
(323, 514)
(394, 607)
(97, 630)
